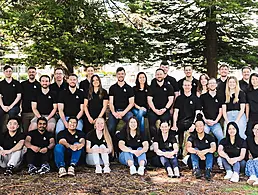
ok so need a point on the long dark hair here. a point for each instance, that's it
(199, 87)
(250, 86)
(138, 134)
(137, 83)
(91, 87)
(237, 136)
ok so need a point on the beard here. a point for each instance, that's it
(72, 86)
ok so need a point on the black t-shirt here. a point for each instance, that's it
(160, 94)
(71, 139)
(252, 146)
(72, 101)
(133, 142)
(168, 144)
(9, 91)
(140, 97)
(221, 88)
(194, 85)
(40, 140)
(121, 95)
(45, 101)
(57, 89)
(92, 137)
(187, 106)
(29, 90)
(243, 86)
(233, 150)
(95, 104)
(170, 81)
(252, 100)
(7, 142)
(242, 100)
(84, 85)
(210, 105)
(203, 144)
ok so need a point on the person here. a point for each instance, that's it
(251, 169)
(60, 84)
(95, 103)
(202, 87)
(166, 148)
(221, 87)
(11, 147)
(99, 146)
(212, 113)
(134, 146)
(10, 95)
(70, 103)
(30, 87)
(186, 107)
(160, 99)
(39, 144)
(244, 82)
(121, 101)
(188, 70)
(85, 84)
(201, 147)
(141, 90)
(232, 150)
(69, 142)
(233, 108)
(44, 104)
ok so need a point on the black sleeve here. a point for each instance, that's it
(130, 92)
(54, 96)
(198, 105)
(111, 91)
(211, 139)
(244, 144)
(190, 139)
(170, 90)
(149, 93)
(177, 103)
(156, 138)
(1, 139)
(81, 96)
(222, 142)
(61, 97)
(174, 84)
(21, 136)
(122, 135)
(61, 135)
(202, 101)
(105, 94)
(18, 87)
(172, 139)
(242, 98)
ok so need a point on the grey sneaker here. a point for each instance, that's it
(45, 168)
(32, 169)
(71, 171)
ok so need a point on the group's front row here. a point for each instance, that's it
(38, 146)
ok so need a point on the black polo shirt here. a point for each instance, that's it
(252, 100)
(231, 106)
(140, 96)
(132, 142)
(170, 81)
(29, 90)
(92, 137)
(160, 94)
(221, 87)
(243, 86)
(70, 138)
(252, 146)
(187, 106)
(95, 104)
(9, 91)
(203, 144)
(165, 144)
(121, 95)
(72, 101)
(40, 140)
(45, 101)
(194, 85)
(210, 105)
(233, 150)
(84, 85)
(57, 89)
(7, 142)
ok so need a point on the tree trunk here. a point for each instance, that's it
(69, 64)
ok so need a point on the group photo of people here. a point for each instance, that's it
(196, 122)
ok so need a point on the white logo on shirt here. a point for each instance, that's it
(49, 97)
(169, 145)
(77, 96)
(206, 141)
(165, 89)
(76, 136)
(216, 100)
(168, 82)
(13, 85)
(194, 83)
(146, 90)
(35, 86)
(14, 142)
(138, 140)
(44, 138)
(124, 90)
(191, 102)
(104, 141)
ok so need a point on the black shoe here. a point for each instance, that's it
(208, 174)
(180, 153)
(32, 169)
(197, 173)
(9, 170)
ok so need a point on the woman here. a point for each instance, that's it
(99, 146)
(201, 147)
(234, 107)
(84, 85)
(232, 150)
(165, 146)
(202, 85)
(140, 99)
(95, 102)
(134, 146)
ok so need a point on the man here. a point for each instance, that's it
(223, 71)
(11, 147)
(44, 104)
(160, 99)
(39, 143)
(10, 95)
(60, 84)
(84, 85)
(70, 103)
(121, 101)
(244, 82)
(188, 70)
(70, 142)
(30, 87)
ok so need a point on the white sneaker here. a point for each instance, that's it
(185, 159)
(141, 170)
(106, 169)
(228, 175)
(176, 171)
(235, 177)
(133, 170)
(255, 183)
(252, 179)
(170, 172)
(98, 169)
(219, 161)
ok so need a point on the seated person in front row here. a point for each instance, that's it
(11, 147)
(99, 146)
(70, 142)
(201, 146)
(134, 147)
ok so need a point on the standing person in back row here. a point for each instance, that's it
(244, 82)
(60, 84)
(85, 84)
(223, 71)
(188, 70)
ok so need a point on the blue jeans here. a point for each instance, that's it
(125, 156)
(236, 167)
(12, 113)
(140, 117)
(208, 161)
(60, 125)
(216, 131)
(59, 153)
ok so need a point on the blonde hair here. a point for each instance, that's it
(237, 90)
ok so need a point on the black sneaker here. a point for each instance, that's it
(9, 170)
(45, 168)
(197, 173)
(32, 169)
(208, 174)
